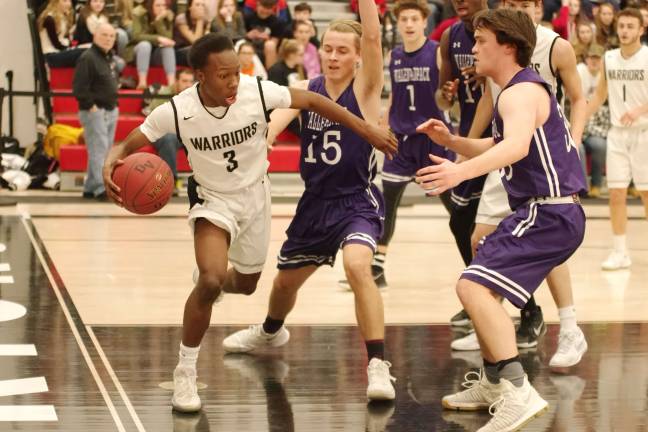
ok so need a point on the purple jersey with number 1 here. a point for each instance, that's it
(334, 161)
(414, 79)
(552, 168)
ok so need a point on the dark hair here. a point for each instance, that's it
(297, 23)
(631, 12)
(511, 27)
(411, 4)
(303, 6)
(267, 3)
(208, 44)
(182, 72)
(245, 44)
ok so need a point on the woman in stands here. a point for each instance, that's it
(250, 63)
(152, 41)
(582, 39)
(189, 26)
(605, 28)
(90, 17)
(302, 32)
(55, 25)
(229, 20)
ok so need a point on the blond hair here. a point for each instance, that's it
(346, 26)
(52, 9)
(289, 47)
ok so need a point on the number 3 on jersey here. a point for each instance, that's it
(329, 143)
(232, 163)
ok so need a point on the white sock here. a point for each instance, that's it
(619, 243)
(188, 356)
(567, 318)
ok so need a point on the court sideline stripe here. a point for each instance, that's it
(113, 376)
(102, 389)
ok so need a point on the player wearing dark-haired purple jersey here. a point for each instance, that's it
(457, 80)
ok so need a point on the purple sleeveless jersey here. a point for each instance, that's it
(552, 168)
(414, 79)
(334, 160)
(460, 47)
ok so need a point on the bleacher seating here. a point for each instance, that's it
(74, 158)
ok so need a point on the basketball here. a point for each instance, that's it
(146, 183)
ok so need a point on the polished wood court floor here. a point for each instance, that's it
(103, 294)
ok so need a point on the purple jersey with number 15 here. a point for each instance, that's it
(335, 161)
(552, 168)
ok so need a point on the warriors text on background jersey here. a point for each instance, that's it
(627, 82)
(552, 167)
(334, 160)
(414, 79)
(460, 45)
(229, 153)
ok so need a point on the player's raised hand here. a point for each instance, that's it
(449, 90)
(436, 179)
(382, 138)
(471, 79)
(436, 130)
(112, 190)
(629, 117)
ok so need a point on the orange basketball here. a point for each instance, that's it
(146, 183)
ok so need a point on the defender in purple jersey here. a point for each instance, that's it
(340, 208)
(414, 72)
(457, 79)
(539, 166)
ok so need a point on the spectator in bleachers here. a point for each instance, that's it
(229, 20)
(265, 31)
(95, 88)
(381, 5)
(570, 13)
(595, 134)
(605, 28)
(90, 16)
(124, 17)
(250, 62)
(290, 67)
(303, 12)
(189, 26)
(311, 61)
(168, 146)
(152, 41)
(55, 25)
(280, 10)
(582, 39)
(643, 8)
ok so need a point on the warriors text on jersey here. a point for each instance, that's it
(226, 147)
(552, 168)
(627, 83)
(335, 161)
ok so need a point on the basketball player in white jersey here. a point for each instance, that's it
(222, 121)
(554, 60)
(625, 85)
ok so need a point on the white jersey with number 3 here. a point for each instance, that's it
(627, 83)
(226, 147)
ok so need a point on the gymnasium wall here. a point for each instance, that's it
(16, 54)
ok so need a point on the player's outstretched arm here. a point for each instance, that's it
(370, 76)
(565, 65)
(381, 138)
(520, 125)
(281, 118)
(135, 140)
(439, 133)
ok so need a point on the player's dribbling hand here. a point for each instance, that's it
(112, 190)
(449, 90)
(436, 179)
(436, 130)
(382, 139)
